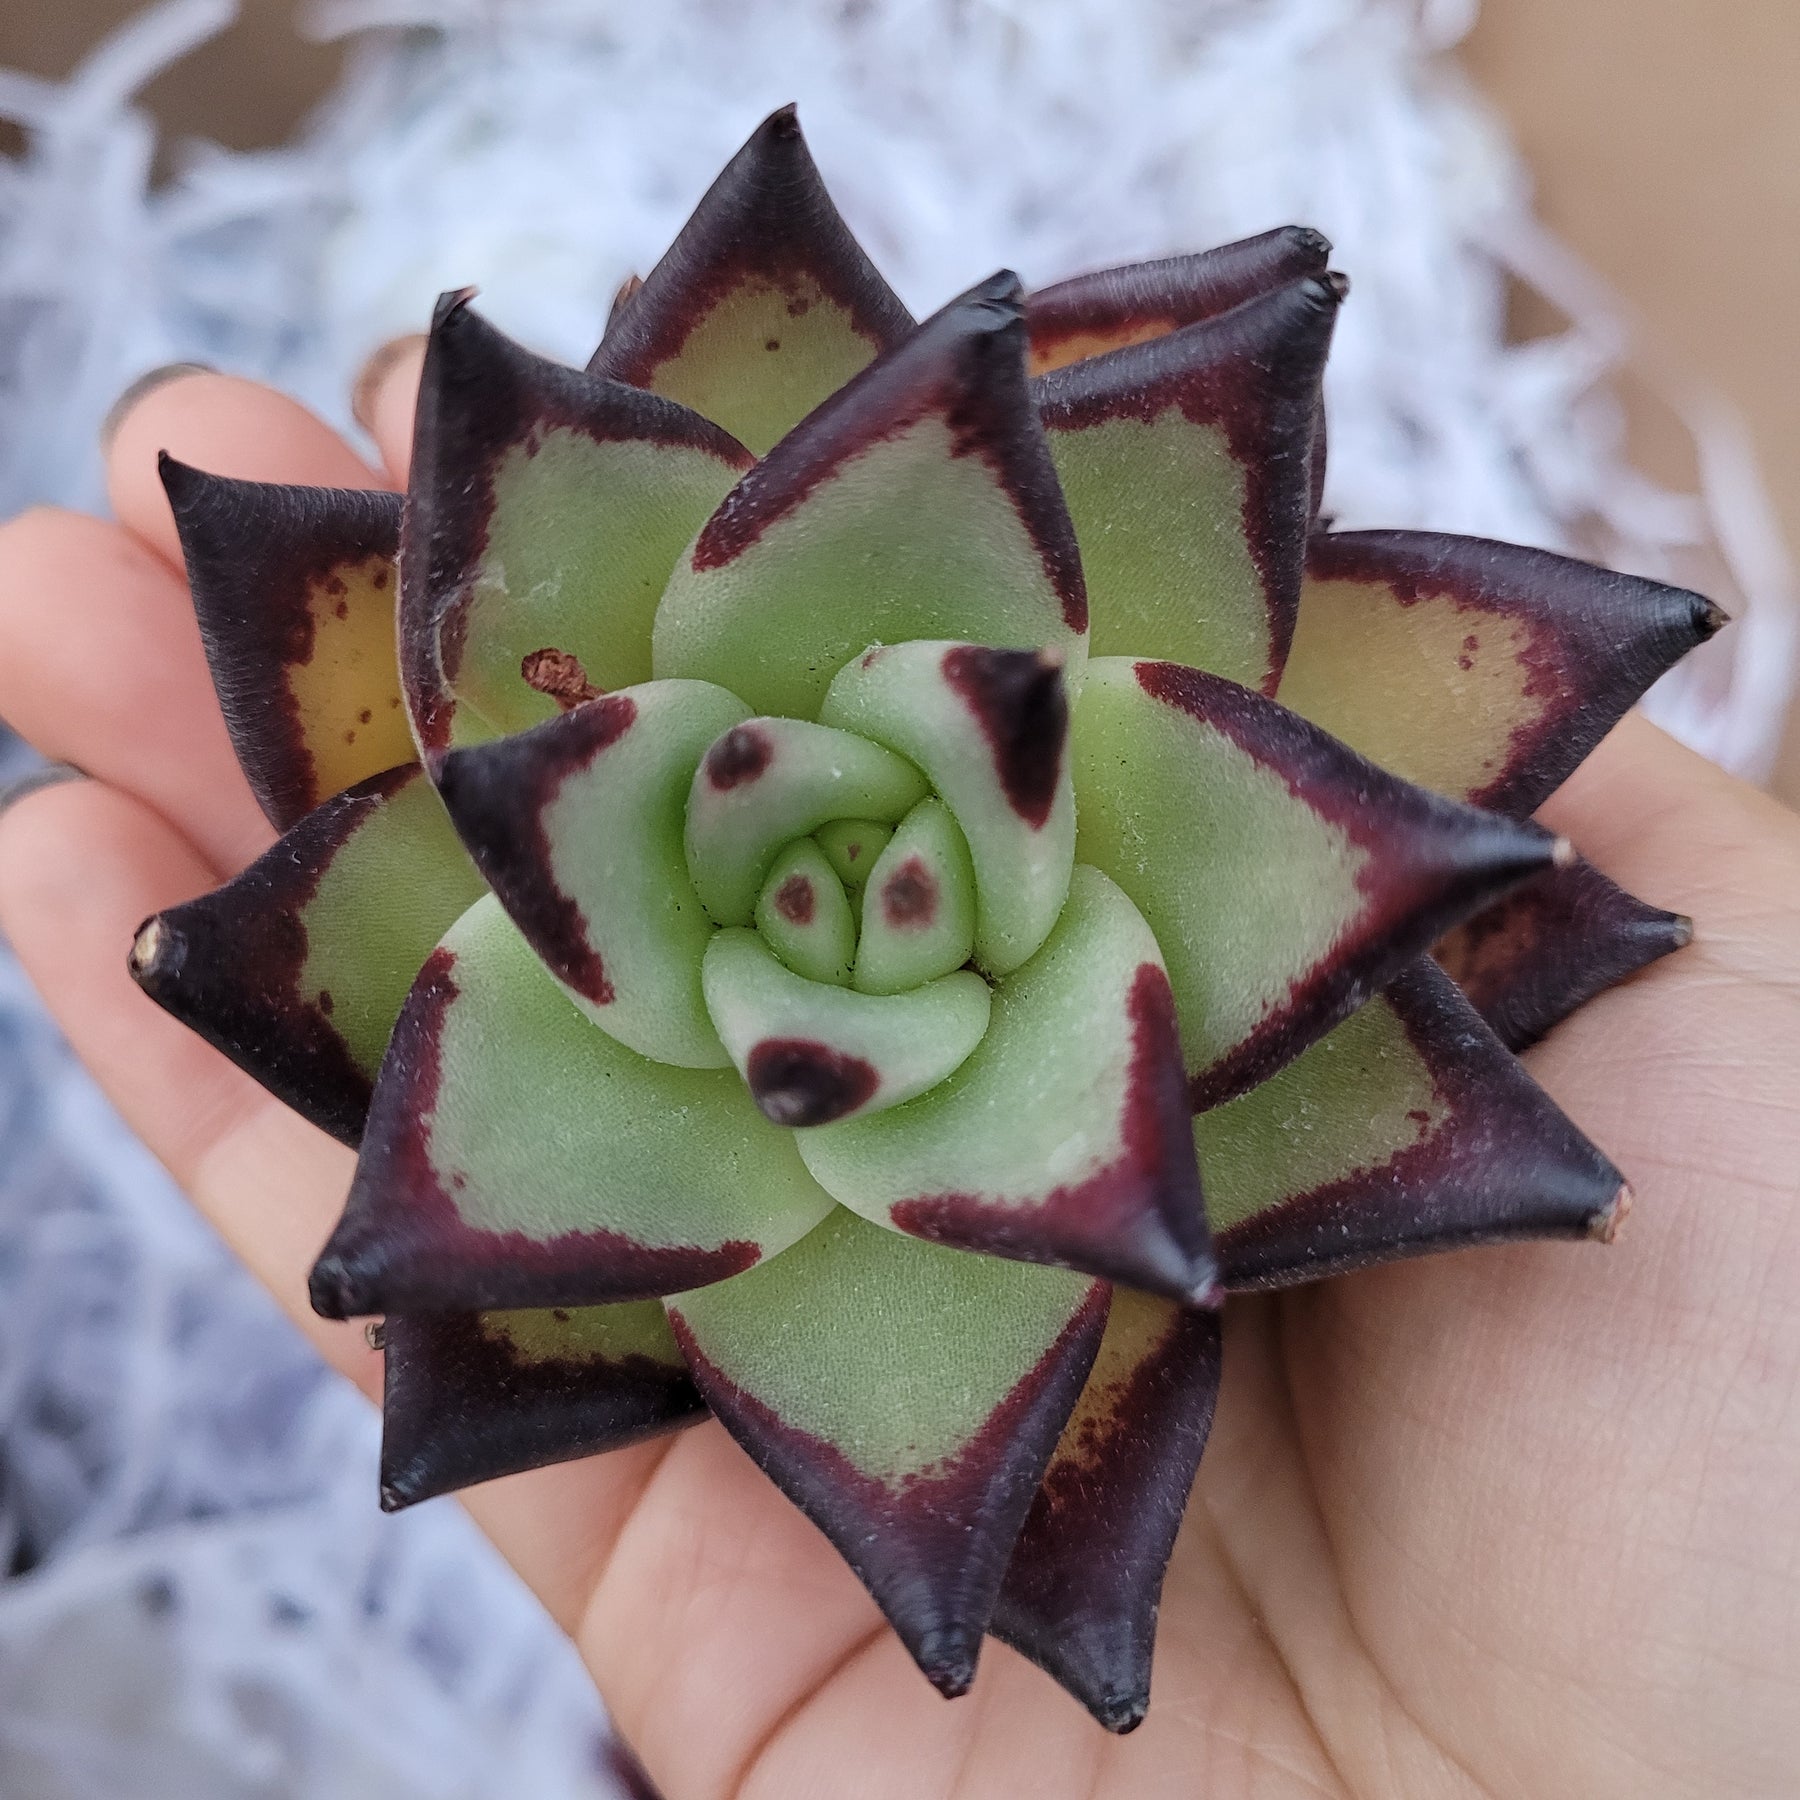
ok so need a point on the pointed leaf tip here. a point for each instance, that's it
(1530, 960)
(1089, 315)
(913, 1434)
(764, 305)
(1066, 1137)
(1081, 1593)
(817, 552)
(990, 729)
(1486, 671)
(1408, 1130)
(1185, 461)
(516, 1157)
(1291, 877)
(545, 512)
(475, 1396)
(294, 590)
(297, 967)
(577, 825)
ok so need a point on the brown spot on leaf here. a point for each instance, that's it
(739, 756)
(794, 900)
(559, 674)
(909, 896)
(797, 1081)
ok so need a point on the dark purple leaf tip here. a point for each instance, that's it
(1022, 705)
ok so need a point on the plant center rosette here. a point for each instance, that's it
(861, 876)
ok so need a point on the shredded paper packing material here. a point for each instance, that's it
(210, 1604)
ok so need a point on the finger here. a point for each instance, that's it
(1663, 820)
(80, 867)
(227, 426)
(383, 401)
(101, 666)
(1591, 1420)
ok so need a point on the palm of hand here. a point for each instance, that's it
(1509, 1522)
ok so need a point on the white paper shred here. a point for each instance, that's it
(213, 1605)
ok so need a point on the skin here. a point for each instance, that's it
(1504, 1523)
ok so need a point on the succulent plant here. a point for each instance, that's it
(861, 875)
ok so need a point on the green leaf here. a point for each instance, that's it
(297, 967)
(1186, 465)
(852, 846)
(579, 825)
(906, 1398)
(1550, 946)
(1109, 309)
(1065, 1137)
(769, 781)
(804, 916)
(1486, 671)
(918, 912)
(518, 1157)
(1081, 1593)
(474, 1396)
(1408, 1130)
(546, 510)
(990, 728)
(1284, 877)
(764, 306)
(295, 588)
(810, 1052)
(918, 502)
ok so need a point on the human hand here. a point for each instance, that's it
(1511, 1522)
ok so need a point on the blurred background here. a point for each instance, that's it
(1573, 230)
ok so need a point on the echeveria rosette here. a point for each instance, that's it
(873, 871)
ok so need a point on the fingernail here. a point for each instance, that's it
(147, 383)
(50, 774)
(374, 372)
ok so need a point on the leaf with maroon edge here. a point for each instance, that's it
(1285, 877)
(578, 825)
(295, 589)
(1410, 1129)
(764, 305)
(769, 781)
(1085, 1582)
(516, 1156)
(991, 730)
(811, 1051)
(474, 1396)
(1552, 945)
(1486, 671)
(297, 967)
(919, 501)
(546, 510)
(1185, 464)
(1108, 309)
(1065, 1137)
(912, 1431)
